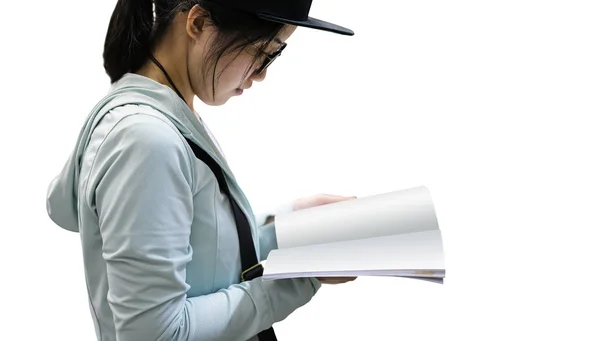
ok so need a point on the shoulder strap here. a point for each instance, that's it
(251, 268)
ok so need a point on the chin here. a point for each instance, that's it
(219, 101)
(215, 102)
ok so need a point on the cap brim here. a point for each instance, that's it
(310, 23)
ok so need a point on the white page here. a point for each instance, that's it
(405, 211)
(386, 255)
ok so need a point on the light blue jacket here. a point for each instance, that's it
(159, 240)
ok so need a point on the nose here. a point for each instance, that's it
(259, 77)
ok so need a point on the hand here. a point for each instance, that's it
(318, 200)
(335, 280)
(313, 200)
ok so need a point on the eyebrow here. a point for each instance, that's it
(277, 41)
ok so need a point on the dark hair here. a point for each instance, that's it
(134, 30)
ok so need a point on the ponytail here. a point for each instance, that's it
(127, 44)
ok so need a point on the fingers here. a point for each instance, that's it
(324, 199)
(319, 200)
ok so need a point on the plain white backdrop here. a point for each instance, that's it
(493, 105)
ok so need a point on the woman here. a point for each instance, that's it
(167, 233)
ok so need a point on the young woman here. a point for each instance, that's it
(170, 242)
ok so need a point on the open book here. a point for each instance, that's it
(390, 234)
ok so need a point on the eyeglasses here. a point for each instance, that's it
(270, 58)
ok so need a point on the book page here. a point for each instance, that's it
(418, 254)
(379, 215)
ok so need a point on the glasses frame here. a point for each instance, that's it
(270, 58)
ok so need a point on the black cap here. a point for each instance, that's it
(293, 12)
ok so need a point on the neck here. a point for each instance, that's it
(177, 75)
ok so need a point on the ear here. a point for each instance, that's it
(196, 22)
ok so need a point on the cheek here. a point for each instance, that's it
(230, 74)
(234, 76)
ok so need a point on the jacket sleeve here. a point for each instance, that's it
(268, 239)
(144, 203)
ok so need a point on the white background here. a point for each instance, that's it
(492, 105)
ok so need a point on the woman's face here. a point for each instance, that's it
(231, 75)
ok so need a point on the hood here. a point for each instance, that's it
(62, 200)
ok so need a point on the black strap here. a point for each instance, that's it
(166, 75)
(251, 268)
